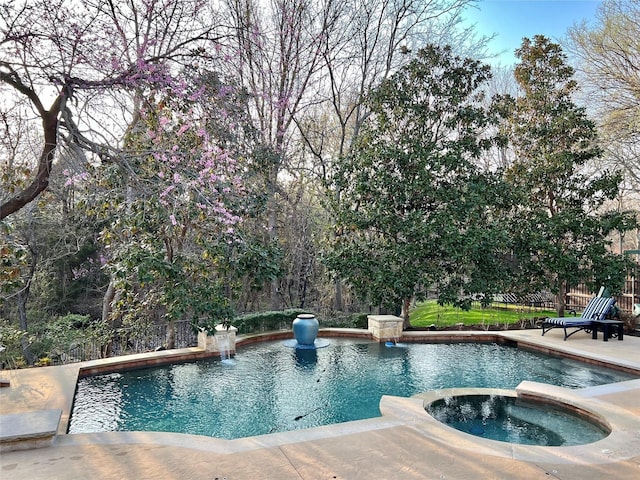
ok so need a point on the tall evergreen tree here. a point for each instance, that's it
(560, 229)
(414, 211)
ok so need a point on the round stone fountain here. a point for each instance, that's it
(305, 332)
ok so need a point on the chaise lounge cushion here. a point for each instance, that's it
(596, 309)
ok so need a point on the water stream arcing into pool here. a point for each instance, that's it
(273, 388)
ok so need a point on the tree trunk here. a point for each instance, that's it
(22, 298)
(273, 236)
(171, 334)
(406, 304)
(107, 306)
(562, 298)
(45, 162)
(338, 291)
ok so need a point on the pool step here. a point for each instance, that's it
(25, 431)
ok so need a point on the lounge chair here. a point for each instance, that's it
(596, 309)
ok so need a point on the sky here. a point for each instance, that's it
(511, 20)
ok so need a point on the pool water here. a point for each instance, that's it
(509, 419)
(269, 387)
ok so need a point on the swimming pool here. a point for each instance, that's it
(269, 387)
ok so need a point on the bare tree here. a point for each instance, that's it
(276, 47)
(608, 54)
(373, 39)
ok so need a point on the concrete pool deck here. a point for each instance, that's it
(404, 443)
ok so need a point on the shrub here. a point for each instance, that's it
(266, 321)
(281, 320)
(11, 340)
(354, 320)
(75, 336)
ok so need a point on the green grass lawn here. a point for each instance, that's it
(430, 313)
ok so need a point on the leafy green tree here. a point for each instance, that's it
(414, 210)
(560, 229)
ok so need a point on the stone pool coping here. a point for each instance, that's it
(617, 446)
(24, 431)
(620, 445)
(404, 420)
(61, 397)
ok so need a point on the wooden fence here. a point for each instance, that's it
(579, 296)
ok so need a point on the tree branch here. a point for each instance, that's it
(50, 131)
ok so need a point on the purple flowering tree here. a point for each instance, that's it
(103, 82)
(66, 65)
(171, 240)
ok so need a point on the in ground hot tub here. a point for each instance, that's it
(512, 419)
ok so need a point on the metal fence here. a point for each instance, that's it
(125, 342)
(154, 336)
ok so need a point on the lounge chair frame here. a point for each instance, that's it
(596, 309)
